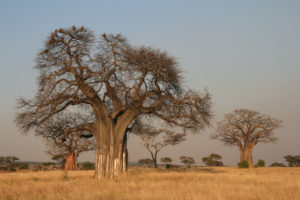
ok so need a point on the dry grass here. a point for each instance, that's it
(138, 183)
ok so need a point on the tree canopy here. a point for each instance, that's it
(118, 81)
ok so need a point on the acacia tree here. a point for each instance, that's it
(245, 129)
(293, 161)
(166, 160)
(67, 135)
(145, 162)
(153, 142)
(213, 160)
(187, 161)
(118, 81)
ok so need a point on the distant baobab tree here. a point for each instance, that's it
(118, 81)
(245, 129)
(67, 135)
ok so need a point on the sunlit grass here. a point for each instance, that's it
(141, 183)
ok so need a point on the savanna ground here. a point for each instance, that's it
(143, 183)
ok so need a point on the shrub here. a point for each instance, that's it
(260, 163)
(48, 164)
(275, 164)
(88, 166)
(169, 166)
(243, 164)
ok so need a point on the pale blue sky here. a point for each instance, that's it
(247, 54)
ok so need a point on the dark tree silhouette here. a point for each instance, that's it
(166, 160)
(293, 161)
(146, 162)
(213, 160)
(245, 129)
(118, 81)
(276, 164)
(187, 161)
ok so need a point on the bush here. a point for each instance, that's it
(243, 164)
(169, 166)
(88, 166)
(275, 164)
(260, 163)
(48, 164)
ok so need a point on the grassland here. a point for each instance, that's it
(222, 183)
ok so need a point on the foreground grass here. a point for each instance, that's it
(222, 183)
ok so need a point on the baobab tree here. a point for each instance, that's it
(67, 135)
(245, 129)
(118, 81)
(152, 140)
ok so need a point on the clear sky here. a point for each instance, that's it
(246, 53)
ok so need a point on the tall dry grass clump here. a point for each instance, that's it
(220, 183)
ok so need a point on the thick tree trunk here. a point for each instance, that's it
(246, 154)
(110, 153)
(71, 161)
(108, 164)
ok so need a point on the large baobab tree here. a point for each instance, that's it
(118, 81)
(245, 129)
(153, 142)
(67, 135)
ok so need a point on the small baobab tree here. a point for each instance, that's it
(118, 81)
(67, 135)
(245, 129)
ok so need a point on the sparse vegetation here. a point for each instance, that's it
(221, 183)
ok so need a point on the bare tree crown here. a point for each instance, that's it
(246, 127)
(115, 78)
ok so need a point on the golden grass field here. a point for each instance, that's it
(221, 183)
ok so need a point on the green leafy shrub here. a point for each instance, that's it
(243, 164)
(260, 163)
(88, 166)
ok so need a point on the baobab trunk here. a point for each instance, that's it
(109, 153)
(71, 161)
(246, 154)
